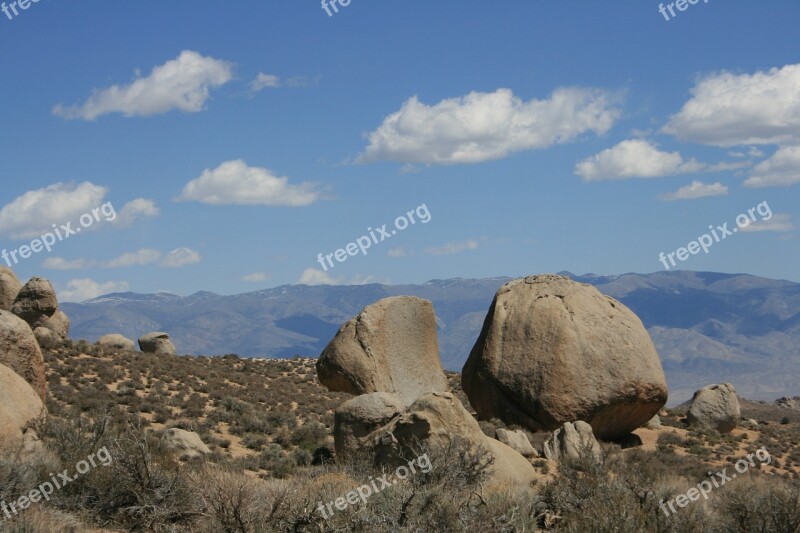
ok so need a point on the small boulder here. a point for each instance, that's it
(653, 423)
(187, 444)
(46, 338)
(553, 351)
(9, 288)
(114, 342)
(35, 301)
(391, 346)
(20, 406)
(20, 351)
(360, 416)
(516, 440)
(715, 407)
(58, 323)
(156, 342)
(571, 441)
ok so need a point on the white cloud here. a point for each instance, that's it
(256, 277)
(697, 189)
(141, 257)
(182, 83)
(59, 263)
(783, 168)
(35, 212)
(133, 210)
(235, 183)
(637, 158)
(452, 248)
(729, 110)
(398, 252)
(313, 276)
(80, 290)
(180, 257)
(779, 222)
(485, 126)
(264, 81)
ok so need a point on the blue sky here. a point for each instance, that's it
(237, 141)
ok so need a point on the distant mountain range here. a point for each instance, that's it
(708, 327)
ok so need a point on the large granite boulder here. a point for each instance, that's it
(391, 346)
(156, 342)
(20, 351)
(20, 406)
(553, 351)
(36, 301)
(715, 407)
(9, 288)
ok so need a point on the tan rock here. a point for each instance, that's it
(571, 441)
(19, 350)
(46, 338)
(715, 407)
(360, 416)
(187, 444)
(20, 407)
(35, 301)
(114, 342)
(58, 323)
(553, 351)
(9, 288)
(517, 440)
(156, 342)
(391, 346)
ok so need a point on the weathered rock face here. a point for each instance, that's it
(516, 440)
(653, 423)
(715, 407)
(360, 416)
(116, 342)
(391, 346)
(187, 444)
(553, 351)
(19, 406)
(35, 301)
(437, 420)
(20, 351)
(570, 441)
(156, 342)
(58, 323)
(9, 288)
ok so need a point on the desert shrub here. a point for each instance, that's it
(310, 436)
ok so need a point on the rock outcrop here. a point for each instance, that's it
(9, 288)
(58, 323)
(114, 342)
(360, 416)
(187, 444)
(20, 406)
(20, 351)
(553, 351)
(156, 342)
(391, 346)
(438, 420)
(715, 407)
(571, 441)
(36, 301)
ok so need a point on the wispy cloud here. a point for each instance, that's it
(80, 290)
(452, 248)
(696, 190)
(781, 222)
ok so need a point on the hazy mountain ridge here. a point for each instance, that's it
(708, 327)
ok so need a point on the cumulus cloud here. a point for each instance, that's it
(485, 126)
(256, 277)
(783, 168)
(145, 256)
(781, 222)
(264, 81)
(697, 189)
(452, 248)
(313, 276)
(235, 183)
(135, 209)
(180, 257)
(727, 109)
(35, 212)
(182, 83)
(638, 158)
(80, 290)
